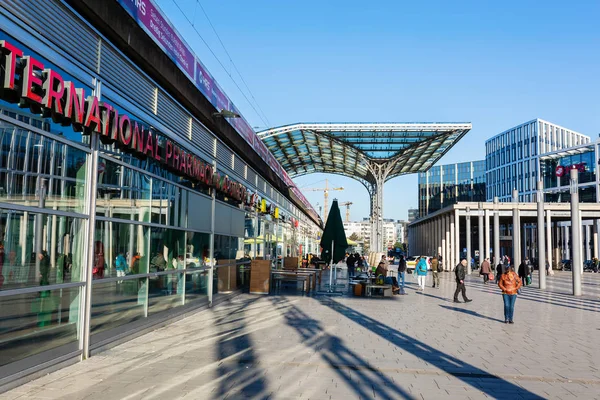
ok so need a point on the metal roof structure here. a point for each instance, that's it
(364, 151)
(372, 153)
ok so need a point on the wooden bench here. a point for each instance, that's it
(385, 289)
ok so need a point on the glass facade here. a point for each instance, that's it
(445, 185)
(513, 157)
(76, 210)
(557, 187)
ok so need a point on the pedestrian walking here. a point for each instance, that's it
(486, 270)
(510, 284)
(499, 271)
(350, 263)
(435, 268)
(401, 273)
(525, 271)
(421, 270)
(460, 273)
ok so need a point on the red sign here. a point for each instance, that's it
(560, 171)
(45, 91)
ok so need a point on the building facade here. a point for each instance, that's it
(363, 230)
(123, 203)
(512, 158)
(444, 185)
(413, 214)
(555, 167)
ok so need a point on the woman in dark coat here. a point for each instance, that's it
(486, 269)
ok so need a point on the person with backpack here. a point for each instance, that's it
(435, 269)
(421, 271)
(460, 273)
(401, 273)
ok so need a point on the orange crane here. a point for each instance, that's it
(325, 190)
(347, 204)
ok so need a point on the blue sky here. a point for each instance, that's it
(494, 64)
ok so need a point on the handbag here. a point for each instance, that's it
(491, 276)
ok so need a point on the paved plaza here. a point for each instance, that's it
(418, 346)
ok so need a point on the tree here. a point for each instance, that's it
(354, 237)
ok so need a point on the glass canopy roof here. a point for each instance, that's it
(354, 149)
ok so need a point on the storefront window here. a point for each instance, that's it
(117, 303)
(197, 250)
(120, 249)
(165, 290)
(39, 249)
(30, 162)
(36, 322)
(123, 192)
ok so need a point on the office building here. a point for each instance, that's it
(555, 167)
(444, 185)
(413, 214)
(512, 157)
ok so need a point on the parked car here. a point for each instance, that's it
(566, 265)
(411, 262)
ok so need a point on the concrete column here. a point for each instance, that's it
(549, 240)
(446, 234)
(588, 253)
(595, 237)
(541, 239)
(516, 220)
(567, 247)
(496, 232)
(480, 225)
(452, 246)
(457, 235)
(577, 263)
(486, 251)
(439, 237)
(468, 233)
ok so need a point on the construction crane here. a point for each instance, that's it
(347, 204)
(325, 191)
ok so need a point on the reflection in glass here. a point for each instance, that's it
(117, 303)
(120, 249)
(39, 249)
(29, 161)
(196, 285)
(35, 322)
(167, 248)
(197, 249)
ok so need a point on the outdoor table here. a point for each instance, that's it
(297, 274)
(318, 273)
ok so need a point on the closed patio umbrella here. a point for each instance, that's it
(333, 241)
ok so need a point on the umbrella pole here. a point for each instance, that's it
(331, 268)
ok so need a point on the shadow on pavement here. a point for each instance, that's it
(364, 379)
(246, 382)
(470, 312)
(492, 385)
(554, 298)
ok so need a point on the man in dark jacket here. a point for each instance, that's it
(401, 273)
(350, 260)
(460, 273)
(435, 268)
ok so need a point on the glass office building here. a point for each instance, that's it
(121, 208)
(444, 185)
(512, 158)
(555, 173)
